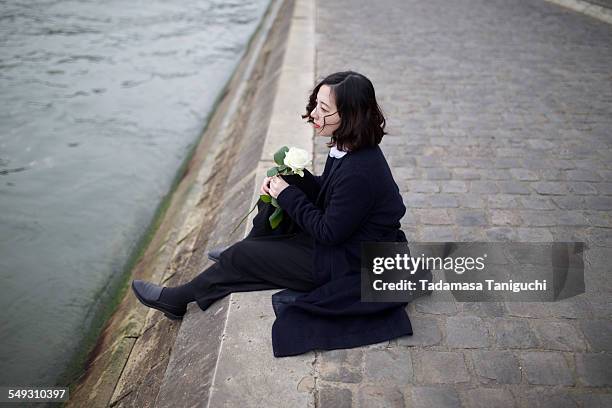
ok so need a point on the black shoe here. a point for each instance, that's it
(149, 293)
(215, 253)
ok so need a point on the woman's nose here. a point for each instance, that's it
(313, 113)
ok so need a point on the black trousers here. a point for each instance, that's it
(267, 262)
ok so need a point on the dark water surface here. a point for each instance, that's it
(101, 101)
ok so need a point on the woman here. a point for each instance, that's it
(355, 200)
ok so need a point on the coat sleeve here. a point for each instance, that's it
(308, 184)
(318, 180)
(351, 199)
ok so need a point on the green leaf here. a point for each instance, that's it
(272, 172)
(274, 202)
(279, 156)
(265, 198)
(276, 218)
(282, 168)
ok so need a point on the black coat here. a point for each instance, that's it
(358, 201)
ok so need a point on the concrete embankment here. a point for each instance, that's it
(144, 359)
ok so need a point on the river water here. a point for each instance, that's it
(101, 101)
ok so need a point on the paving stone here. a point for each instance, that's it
(429, 161)
(508, 163)
(546, 368)
(529, 309)
(510, 152)
(515, 334)
(440, 367)
(483, 187)
(495, 174)
(422, 186)
(537, 203)
(534, 235)
(598, 333)
(591, 400)
(502, 201)
(404, 173)
(601, 237)
(604, 188)
(570, 233)
(470, 201)
(453, 161)
(553, 175)
(454, 186)
(484, 309)
(469, 234)
(416, 200)
(388, 366)
(501, 234)
(501, 367)
(563, 164)
(605, 174)
(501, 217)
(538, 218)
(582, 175)
(437, 174)
(469, 217)
(599, 218)
(524, 175)
(535, 163)
(570, 218)
(582, 188)
(549, 188)
(341, 365)
(334, 397)
(373, 396)
(601, 306)
(489, 397)
(599, 203)
(433, 216)
(437, 303)
(439, 397)
(513, 187)
(437, 234)
(543, 397)
(594, 369)
(540, 144)
(443, 200)
(466, 332)
(577, 307)
(558, 335)
(466, 174)
(569, 202)
(426, 332)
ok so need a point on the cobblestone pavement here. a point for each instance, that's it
(500, 122)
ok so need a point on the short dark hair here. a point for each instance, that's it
(362, 121)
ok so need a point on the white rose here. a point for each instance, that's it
(297, 159)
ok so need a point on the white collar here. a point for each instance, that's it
(334, 152)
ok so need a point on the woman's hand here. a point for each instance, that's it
(265, 186)
(277, 184)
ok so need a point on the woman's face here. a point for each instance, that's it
(325, 114)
